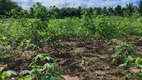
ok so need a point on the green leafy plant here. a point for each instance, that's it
(127, 62)
(5, 74)
(47, 71)
(139, 76)
(123, 51)
(137, 63)
(40, 68)
(135, 69)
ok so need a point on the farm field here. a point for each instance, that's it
(82, 59)
(71, 43)
(107, 49)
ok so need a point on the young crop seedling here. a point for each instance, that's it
(45, 71)
(122, 51)
(135, 69)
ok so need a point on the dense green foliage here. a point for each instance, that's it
(29, 30)
(48, 71)
(38, 10)
(24, 31)
(7, 5)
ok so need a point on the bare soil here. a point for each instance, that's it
(78, 59)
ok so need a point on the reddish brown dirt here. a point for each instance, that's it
(80, 59)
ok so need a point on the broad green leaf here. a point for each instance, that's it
(24, 72)
(28, 77)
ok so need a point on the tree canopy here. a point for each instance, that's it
(40, 11)
(7, 5)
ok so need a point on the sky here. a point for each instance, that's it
(26, 4)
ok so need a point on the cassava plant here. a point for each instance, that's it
(122, 51)
(42, 67)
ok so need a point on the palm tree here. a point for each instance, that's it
(98, 10)
(118, 10)
(129, 9)
(105, 12)
(79, 11)
(139, 8)
(110, 11)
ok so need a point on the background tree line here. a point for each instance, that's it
(10, 8)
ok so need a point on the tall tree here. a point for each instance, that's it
(7, 5)
(104, 11)
(139, 8)
(118, 10)
(129, 9)
(79, 9)
(110, 11)
(98, 10)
